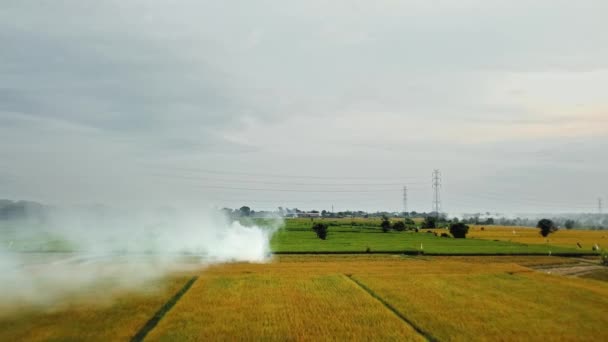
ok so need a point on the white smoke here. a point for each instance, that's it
(72, 250)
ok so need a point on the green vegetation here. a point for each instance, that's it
(348, 236)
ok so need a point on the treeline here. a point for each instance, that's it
(246, 211)
(22, 210)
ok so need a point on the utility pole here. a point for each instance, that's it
(599, 205)
(405, 201)
(436, 195)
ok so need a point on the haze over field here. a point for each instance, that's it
(305, 104)
(43, 260)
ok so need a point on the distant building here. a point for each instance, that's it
(307, 214)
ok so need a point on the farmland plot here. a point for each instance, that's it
(275, 304)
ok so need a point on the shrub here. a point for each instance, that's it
(429, 222)
(399, 226)
(386, 224)
(321, 230)
(569, 224)
(458, 230)
(546, 227)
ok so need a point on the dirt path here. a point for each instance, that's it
(578, 269)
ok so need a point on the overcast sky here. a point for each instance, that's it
(306, 103)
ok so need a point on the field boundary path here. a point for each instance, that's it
(391, 308)
(152, 322)
(581, 268)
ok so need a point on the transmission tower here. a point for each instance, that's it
(405, 200)
(436, 195)
(599, 205)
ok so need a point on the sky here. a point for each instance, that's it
(306, 104)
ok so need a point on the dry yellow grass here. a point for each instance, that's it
(527, 235)
(87, 319)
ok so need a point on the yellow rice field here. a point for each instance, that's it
(251, 303)
(345, 297)
(302, 298)
(527, 235)
(88, 318)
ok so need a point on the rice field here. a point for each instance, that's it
(341, 297)
(365, 235)
(88, 316)
(526, 235)
(488, 304)
(241, 302)
(462, 298)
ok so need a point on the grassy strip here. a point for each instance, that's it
(425, 334)
(435, 254)
(141, 334)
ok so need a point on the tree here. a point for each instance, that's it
(386, 224)
(410, 224)
(245, 211)
(429, 222)
(459, 230)
(399, 226)
(321, 230)
(569, 224)
(546, 227)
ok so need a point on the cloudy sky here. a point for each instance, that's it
(306, 104)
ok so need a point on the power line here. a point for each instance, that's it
(405, 199)
(436, 195)
(291, 190)
(274, 183)
(268, 175)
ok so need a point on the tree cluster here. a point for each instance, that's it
(321, 230)
(385, 224)
(459, 230)
(546, 227)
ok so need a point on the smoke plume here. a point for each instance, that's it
(44, 259)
